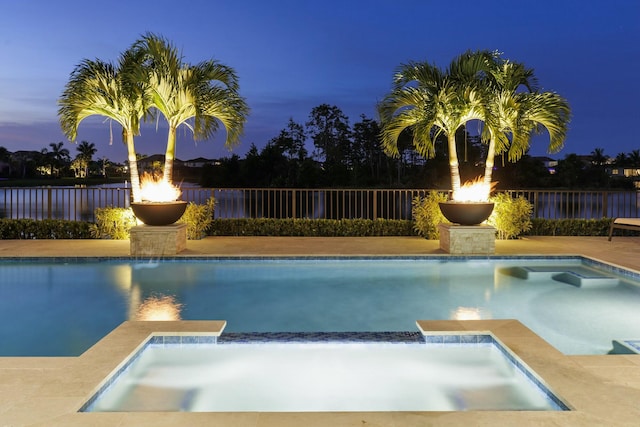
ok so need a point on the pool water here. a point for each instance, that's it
(60, 307)
(317, 377)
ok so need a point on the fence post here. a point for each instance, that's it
(49, 207)
(375, 204)
(605, 197)
(293, 203)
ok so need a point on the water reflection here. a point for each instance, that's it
(164, 307)
(147, 298)
(470, 313)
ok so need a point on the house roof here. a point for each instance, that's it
(544, 158)
(157, 158)
(200, 160)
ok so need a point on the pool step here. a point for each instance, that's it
(573, 275)
(625, 347)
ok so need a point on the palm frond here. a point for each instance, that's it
(98, 88)
(205, 93)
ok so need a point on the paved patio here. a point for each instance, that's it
(622, 251)
(603, 390)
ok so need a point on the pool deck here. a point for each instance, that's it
(602, 390)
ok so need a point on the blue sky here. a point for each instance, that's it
(292, 55)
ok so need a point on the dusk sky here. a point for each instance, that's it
(293, 55)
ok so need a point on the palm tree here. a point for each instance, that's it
(431, 101)
(513, 115)
(621, 159)
(56, 157)
(117, 92)
(598, 157)
(476, 86)
(500, 86)
(86, 150)
(206, 94)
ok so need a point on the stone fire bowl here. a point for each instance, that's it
(466, 213)
(159, 213)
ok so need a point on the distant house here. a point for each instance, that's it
(630, 172)
(586, 159)
(548, 163)
(199, 162)
(627, 172)
(155, 162)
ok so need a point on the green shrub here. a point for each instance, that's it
(113, 223)
(511, 216)
(427, 215)
(310, 227)
(198, 218)
(570, 227)
(43, 229)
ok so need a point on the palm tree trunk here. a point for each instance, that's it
(133, 169)
(453, 164)
(167, 176)
(488, 166)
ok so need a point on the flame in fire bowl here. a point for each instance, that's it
(160, 204)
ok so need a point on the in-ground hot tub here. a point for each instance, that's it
(324, 372)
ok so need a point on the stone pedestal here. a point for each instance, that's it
(467, 239)
(157, 241)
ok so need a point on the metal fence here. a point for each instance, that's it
(70, 203)
(314, 203)
(560, 204)
(79, 204)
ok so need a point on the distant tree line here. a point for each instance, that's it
(347, 156)
(327, 151)
(56, 162)
(342, 156)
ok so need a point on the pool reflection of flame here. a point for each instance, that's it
(470, 313)
(164, 307)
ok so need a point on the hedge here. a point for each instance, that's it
(44, 229)
(63, 229)
(569, 227)
(310, 227)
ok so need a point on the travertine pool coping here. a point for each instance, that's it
(52, 394)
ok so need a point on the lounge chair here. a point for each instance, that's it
(624, 224)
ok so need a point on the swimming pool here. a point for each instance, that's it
(62, 306)
(340, 372)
